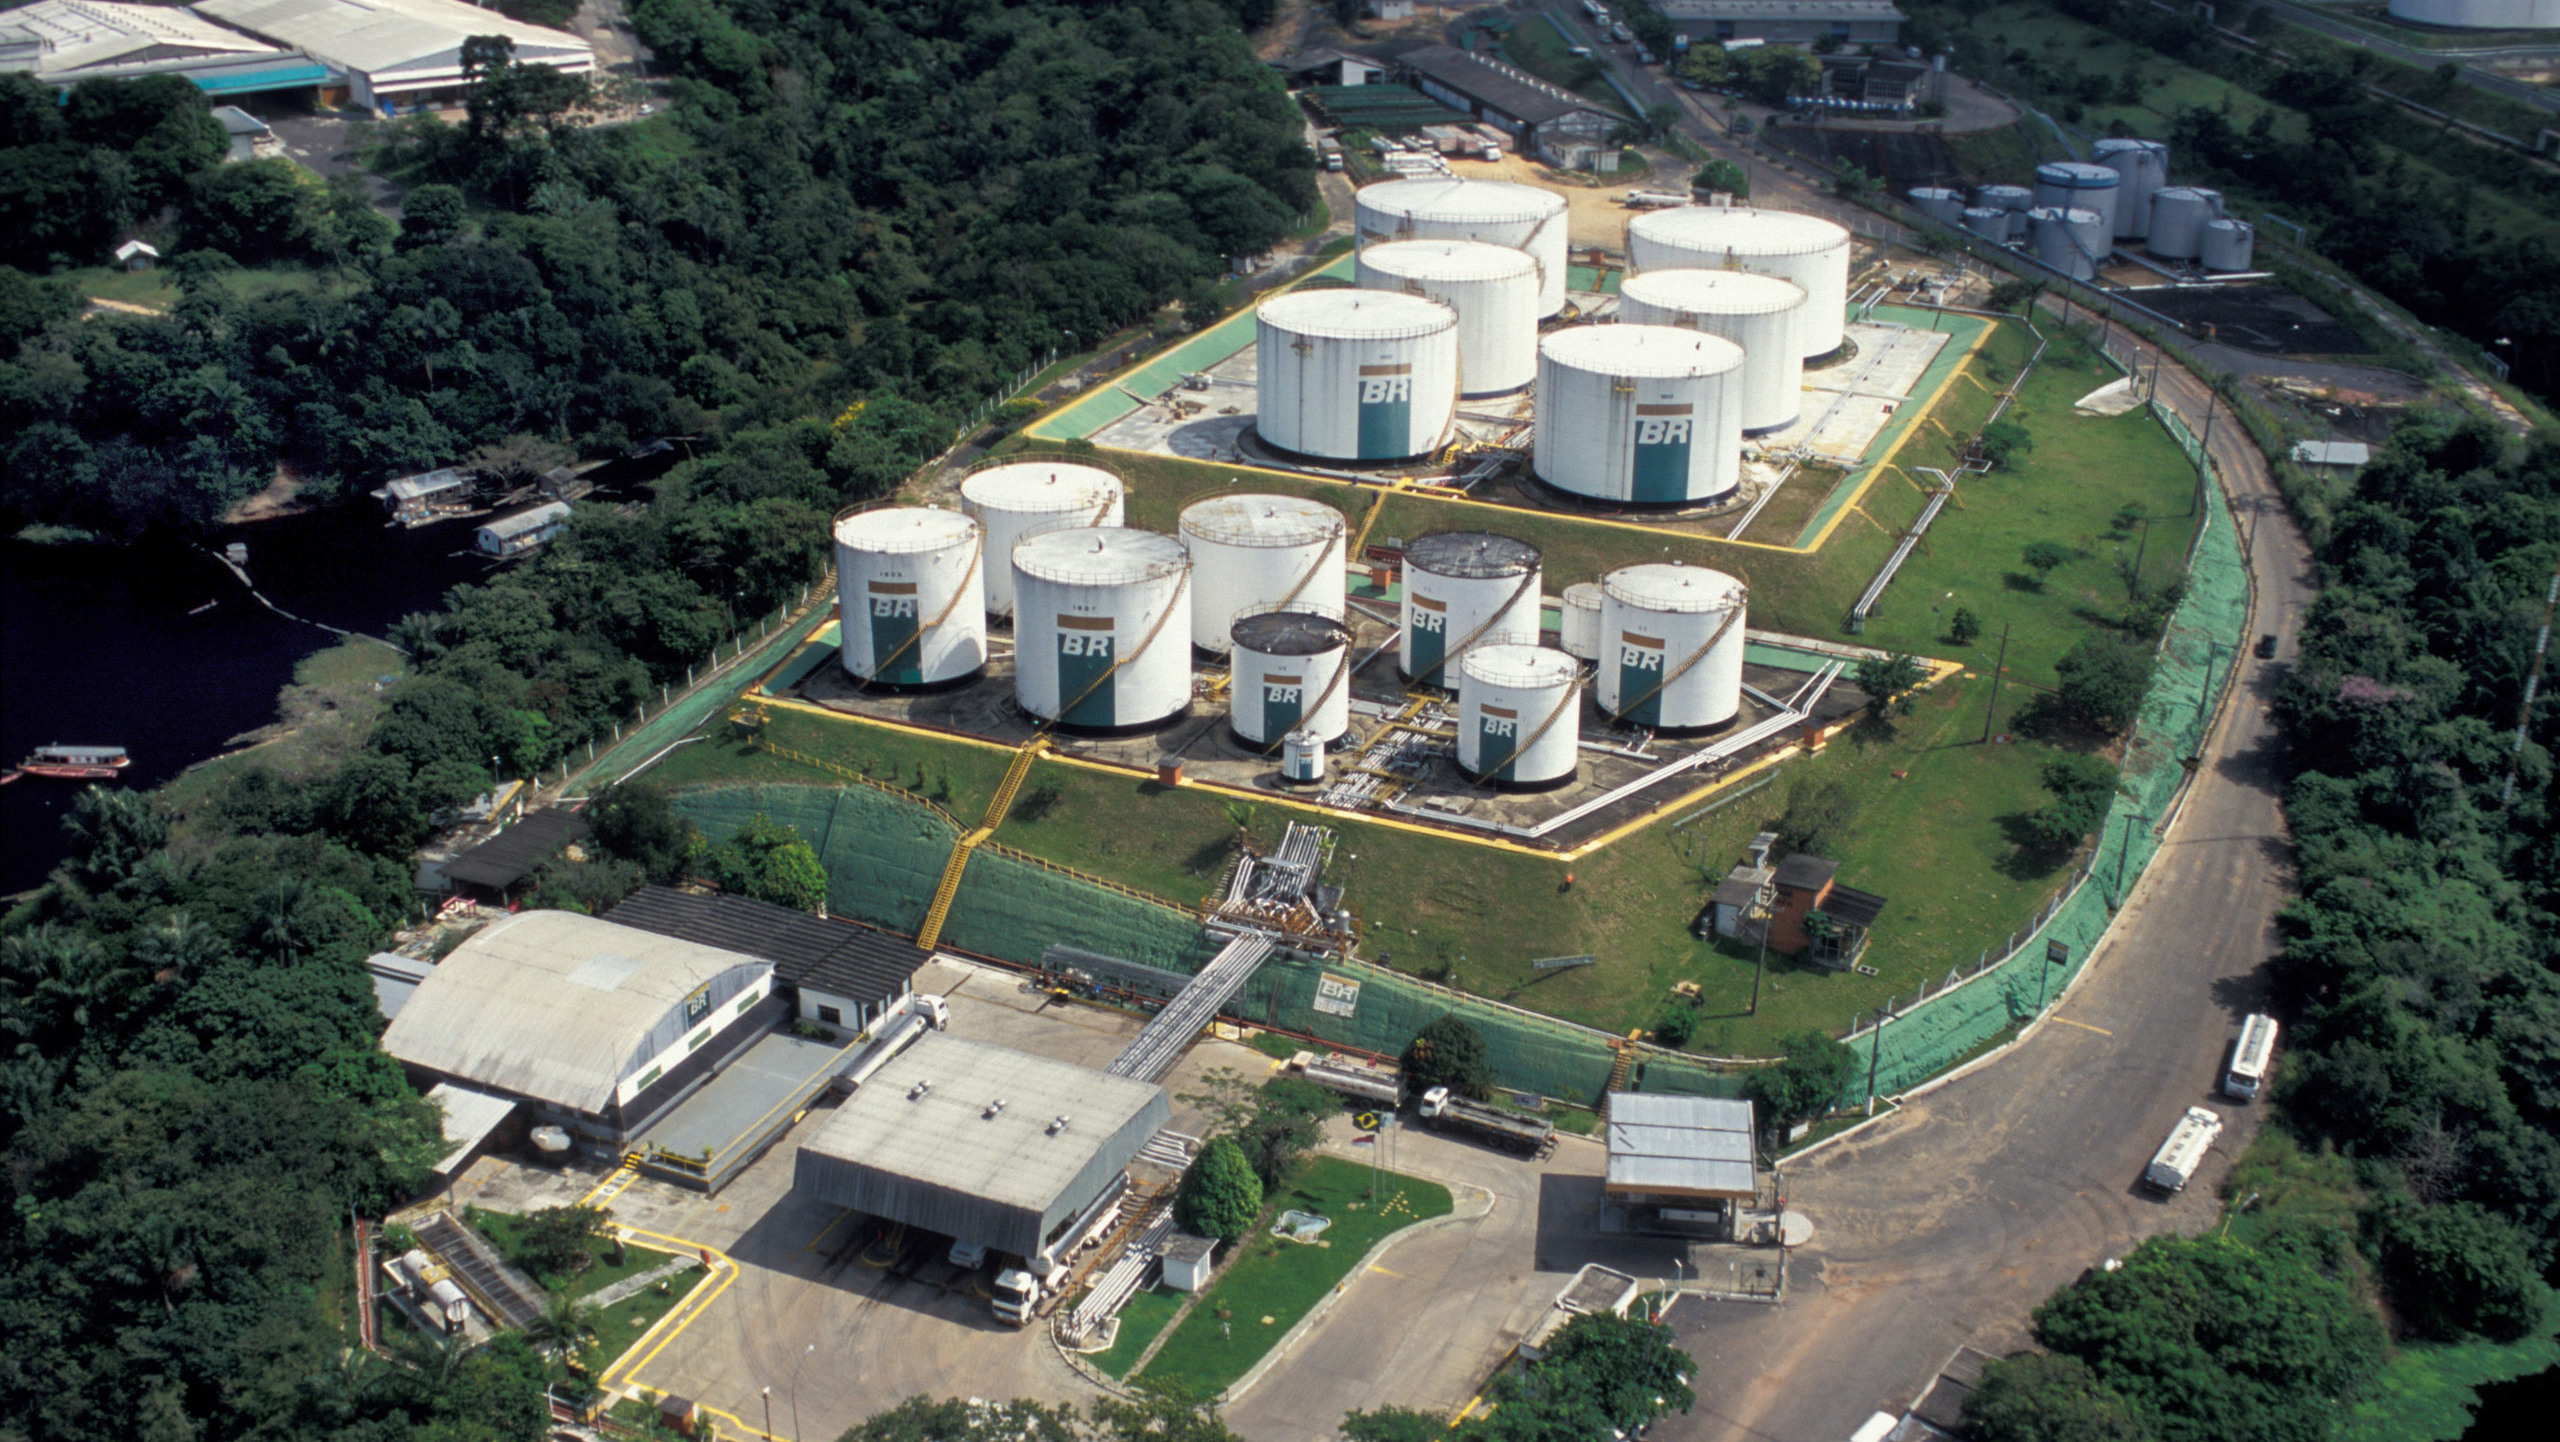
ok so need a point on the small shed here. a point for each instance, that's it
(137, 255)
(496, 865)
(413, 499)
(250, 138)
(1186, 1261)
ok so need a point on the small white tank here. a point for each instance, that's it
(1643, 414)
(1939, 203)
(1519, 716)
(2005, 197)
(1464, 589)
(2144, 168)
(1498, 212)
(2229, 244)
(1355, 375)
(1812, 252)
(2071, 241)
(1290, 673)
(1494, 290)
(1016, 498)
(1302, 758)
(1579, 628)
(911, 596)
(1102, 628)
(2178, 216)
(1759, 313)
(1989, 222)
(1251, 552)
(1672, 638)
(2078, 185)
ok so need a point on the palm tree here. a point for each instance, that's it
(567, 1323)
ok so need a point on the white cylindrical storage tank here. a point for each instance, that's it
(1579, 628)
(1671, 647)
(1989, 222)
(911, 596)
(2071, 241)
(1464, 589)
(1497, 212)
(1290, 673)
(1759, 313)
(2078, 185)
(2480, 14)
(1254, 552)
(2004, 197)
(2142, 167)
(1102, 628)
(1644, 414)
(1355, 375)
(1494, 290)
(1940, 204)
(2178, 216)
(2229, 244)
(1014, 499)
(1805, 249)
(1302, 758)
(1519, 716)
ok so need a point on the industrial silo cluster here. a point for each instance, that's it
(2079, 211)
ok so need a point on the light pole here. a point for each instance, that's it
(768, 1414)
(494, 783)
(2116, 901)
(1991, 708)
(1875, 1054)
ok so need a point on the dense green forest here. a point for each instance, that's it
(852, 221)
(2414, 234)
(2417, 975)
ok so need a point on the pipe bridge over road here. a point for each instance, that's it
(1152, 1052)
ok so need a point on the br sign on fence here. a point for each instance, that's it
(1337, 995)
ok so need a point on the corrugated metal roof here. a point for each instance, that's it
(87, 37)
(2332, 453)
(469, 1116)
(507, 528)
(1515, 93)
(1855, 907)
(376, 36)
(939, 1162)
(1695, 1145)
(838, 957)
(503, 859)
(560, 1007)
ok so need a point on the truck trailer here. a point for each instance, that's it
(1491, 1125)
(1357, 1078)
(2175, 1164)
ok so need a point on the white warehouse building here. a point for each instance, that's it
(396, 52)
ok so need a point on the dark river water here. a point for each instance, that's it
(103, 645)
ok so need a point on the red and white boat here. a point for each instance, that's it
(76, 763)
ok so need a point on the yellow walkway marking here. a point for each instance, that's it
(832, 1223)
(1382, 1271)
(2084, 1026)
(723, 1273)
(611, 1187)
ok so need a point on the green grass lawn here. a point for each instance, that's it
(1140, 1322)
(158, 289)
(1266, 1291)
(620, 1326)
(505, 1230)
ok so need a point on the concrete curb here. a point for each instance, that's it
(1280, 1350)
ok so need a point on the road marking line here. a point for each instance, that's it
(831, 1225)
(2084, 1026)
(1399, 1276)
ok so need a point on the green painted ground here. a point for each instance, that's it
(1263, 1293)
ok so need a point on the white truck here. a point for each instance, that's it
(1017, 1295)
(2175, 1164)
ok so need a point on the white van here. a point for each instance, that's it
(2250, 1057)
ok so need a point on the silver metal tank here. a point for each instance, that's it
(1302, 758)
(1494, 290)
(1498, 212)
(2078, 185)
(2178, 216)
(1671, 647)
(1940, 204)
(1578, 629)
(1464, 589)
(2005, 197)
(1990, 222)
(1759, 313)
(1014, 498)
(1806, 249)
(2229, 244)
(1251, 552)
(1355, 375)
(1102, 628)
(1519, 717)
(1290, 673)
(2144, 166)
(911, 596)
(1649, 415)
(2071, 241)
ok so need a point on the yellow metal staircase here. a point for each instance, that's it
(1618, 1074)
(952, 870)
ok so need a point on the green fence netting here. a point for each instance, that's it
(663, 728)
(2195, 662)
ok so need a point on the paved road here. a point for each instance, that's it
(2537, 96)
(1946, 1224)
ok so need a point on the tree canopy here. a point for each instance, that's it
(1219, 1197)
(1448, 1052)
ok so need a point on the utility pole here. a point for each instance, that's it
(2116, 893)
(1760, 967)
(1992, 709)
(1875, 1054)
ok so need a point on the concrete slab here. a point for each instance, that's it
(775, 1075)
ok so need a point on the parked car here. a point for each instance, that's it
(2266, 647)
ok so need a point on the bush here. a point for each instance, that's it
(2457, 1269)
(1808, 1084)
(2037, 1397)
(1820, 818)
(1448, 1053)
(2082, 787)
(2102, 680)
(1220, 1196)
(1676, 1025)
